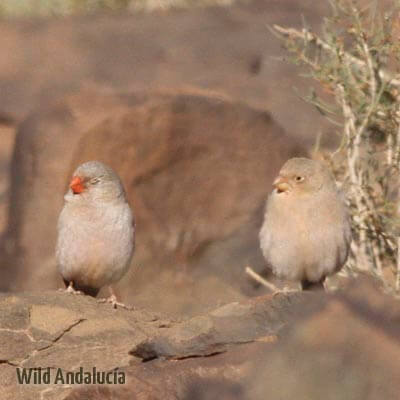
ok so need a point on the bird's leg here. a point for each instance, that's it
(327, 288)
(113, 300)
(70, 289)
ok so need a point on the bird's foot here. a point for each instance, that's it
(285, 291)
(70, 289)
(115, 303)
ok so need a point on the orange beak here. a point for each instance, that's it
(77, 186)
(281, 184)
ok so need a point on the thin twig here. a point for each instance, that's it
(310, 37)
(260, 279)
(398, 266)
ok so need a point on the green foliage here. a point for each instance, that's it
(356, 63)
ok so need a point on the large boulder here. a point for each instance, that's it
(305, 346)
(197, 171)
(65, 332)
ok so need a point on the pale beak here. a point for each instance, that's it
(281, 184)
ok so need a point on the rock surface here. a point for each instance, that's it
(230, 50)
(60, 330)
(197, 171)
(304, 346)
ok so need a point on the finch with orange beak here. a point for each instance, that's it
(96, 231)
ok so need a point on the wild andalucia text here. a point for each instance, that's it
(47, 376)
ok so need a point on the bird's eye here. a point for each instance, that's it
(94, 181)
(299, 178)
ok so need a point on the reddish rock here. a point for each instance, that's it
(197, 171)
(337, 347)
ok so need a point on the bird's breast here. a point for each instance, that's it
(95, 244)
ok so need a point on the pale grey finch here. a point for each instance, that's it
(306, 232)
(96, 230)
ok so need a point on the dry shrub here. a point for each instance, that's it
(355, 61)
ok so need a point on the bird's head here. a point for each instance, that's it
(94, 180)
(302, 176)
